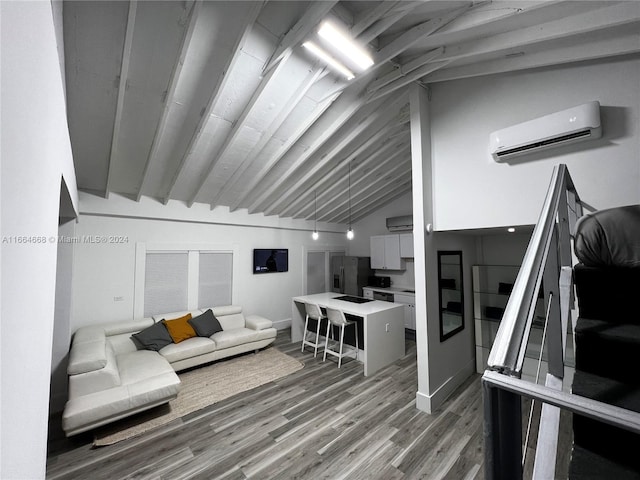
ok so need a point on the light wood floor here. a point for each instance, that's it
(320, 422)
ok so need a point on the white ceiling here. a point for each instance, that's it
(217, 102)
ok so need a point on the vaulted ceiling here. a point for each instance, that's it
(217, 102)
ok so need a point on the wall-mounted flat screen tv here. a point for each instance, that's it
(269, 260)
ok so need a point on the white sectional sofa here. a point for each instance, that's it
(110, 377)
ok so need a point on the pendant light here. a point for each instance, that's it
(315, 233)
(350, 231)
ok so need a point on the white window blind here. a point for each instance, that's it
(214, 283)
(165, 282)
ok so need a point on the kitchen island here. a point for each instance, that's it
(382, 326)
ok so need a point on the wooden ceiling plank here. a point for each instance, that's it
(405, 69)
(122, 88)
(171, 92)
(387, 198)
(369, 17)
(386, 153)
(374, 121)
(415, 34)
(628, 44)
(316, 12)
(334, 206)
(277, 122)
(347, 106)
(229, 62)
(373, 197)
(603, 18)
(375, 192)
(239, 124)
(252, 192)
(374, 143)
(407, 79)
(383, 24)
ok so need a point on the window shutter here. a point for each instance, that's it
(214, 285)
(166, 282)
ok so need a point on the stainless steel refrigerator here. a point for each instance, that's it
(350, 274)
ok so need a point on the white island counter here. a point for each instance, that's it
(382, 326)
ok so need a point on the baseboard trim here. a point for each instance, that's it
(282, 324)
(431, 402)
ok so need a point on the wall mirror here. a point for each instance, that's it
(450, 289)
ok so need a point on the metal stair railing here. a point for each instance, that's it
(548, 255)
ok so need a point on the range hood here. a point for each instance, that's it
(400, 224)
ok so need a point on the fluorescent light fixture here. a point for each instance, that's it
(328, 59)
(345, 45)
(511, 229)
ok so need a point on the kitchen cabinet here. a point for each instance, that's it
(409, 302)
(406, 245)
(385, 252)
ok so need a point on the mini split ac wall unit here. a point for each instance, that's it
(561, 128)
(400, 224)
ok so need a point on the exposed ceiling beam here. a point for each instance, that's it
(404, 70)
(383, 24)
(170, 98)
(375, 121)
(625, 45)
(379, 158)
(313, 75)
(373, 197)
(239, 124)
(377, 138)
(122, 89)
(481, 18)
(414, 35)
(371, 16)
(369, 178)
(316, 12)
(378, 190)
(598, 19)
(346, 107)
(229, 62)
(406, 80)
(252, 190)
(402, 43)
(388, 197)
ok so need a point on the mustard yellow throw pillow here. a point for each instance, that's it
(179, 328)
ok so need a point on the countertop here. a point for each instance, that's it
(402, 290)
(328, 299)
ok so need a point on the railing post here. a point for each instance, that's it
(555, 355)
(502, 433)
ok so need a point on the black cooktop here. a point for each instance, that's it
(349, 298)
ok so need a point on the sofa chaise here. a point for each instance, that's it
(111, 375)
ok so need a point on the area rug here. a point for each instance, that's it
(202, 387)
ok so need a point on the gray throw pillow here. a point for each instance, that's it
(206, 324)
(153, 338)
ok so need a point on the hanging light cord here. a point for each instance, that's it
(315, 207)
(349, 195)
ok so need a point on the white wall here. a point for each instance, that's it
(36, 154)
(451, 361)
(62, 319)
(104, 271)
(502, 249)
(375, 224)
(472, 191)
